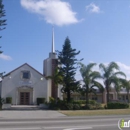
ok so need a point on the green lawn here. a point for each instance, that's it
(96, 112)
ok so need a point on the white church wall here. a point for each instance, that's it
(11, 83)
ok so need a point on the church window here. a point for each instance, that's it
(25, 75)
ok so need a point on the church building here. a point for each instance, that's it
(25, 84)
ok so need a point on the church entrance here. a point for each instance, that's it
(24, 98)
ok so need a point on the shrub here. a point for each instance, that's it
(117, 105)
(40, 101)
(87, 107)
(51, 100)
(92, 102)
(63, 105)
(98, 106)
(80, 102)
(9, 100)
(73, 105)
(1, 102)
(69, 106)
(76, 107)
(92, 105)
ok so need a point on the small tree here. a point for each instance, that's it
(128, 90)
(109, 76)
(68, 62)
(118, 84)
(126, 85)
(57, 78)
(2, 21)
(89, 78)
(101, 89)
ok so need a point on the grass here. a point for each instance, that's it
(96, 112)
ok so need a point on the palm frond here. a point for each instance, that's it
(86, 70)
(95, 75)
(120, 73)
(111, 67)
(103, 67)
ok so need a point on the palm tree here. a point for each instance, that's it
(89, 78)
(110, 76)
(101, 88)
(118, 85)
(57, 78)
(126, 84)
(128, 90)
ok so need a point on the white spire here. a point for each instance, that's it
(53, 44)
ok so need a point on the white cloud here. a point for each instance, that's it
(54, 12)
(92, 8)
(125, 69)
(5, 57)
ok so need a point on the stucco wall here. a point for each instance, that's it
(11, 83)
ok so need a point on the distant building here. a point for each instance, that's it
(102, 97)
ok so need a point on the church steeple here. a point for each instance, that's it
(53, 44)
(52, 54)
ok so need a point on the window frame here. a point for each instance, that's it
(24, 77)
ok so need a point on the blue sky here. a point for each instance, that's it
(100, 29)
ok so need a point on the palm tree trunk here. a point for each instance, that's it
(102, 98)
(68, 96)
(128, 96)
(117, 95)
(107, 88)
(87, 101)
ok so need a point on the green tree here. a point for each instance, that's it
(57, 78)
(68, 67)
(101, 89)
(126, 85)
(89, 78)
(118, 84)
(2, 23)
(110, 75)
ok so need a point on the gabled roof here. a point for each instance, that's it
(22, 66)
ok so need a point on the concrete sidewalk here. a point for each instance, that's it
(34, 114)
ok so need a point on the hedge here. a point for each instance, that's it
(117, 105)
(9, 100)
(40, 101)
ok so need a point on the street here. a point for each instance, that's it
(64, 123)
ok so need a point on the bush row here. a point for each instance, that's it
(117, 105)
(73, 105)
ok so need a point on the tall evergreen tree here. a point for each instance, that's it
(68, 67)
(2, 22)
(2, 14)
